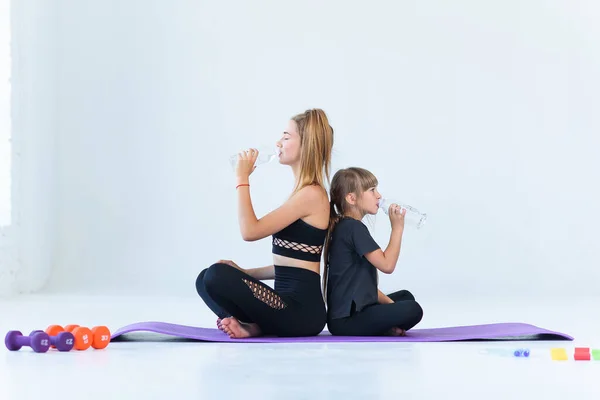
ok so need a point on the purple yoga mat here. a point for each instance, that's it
(503, 331)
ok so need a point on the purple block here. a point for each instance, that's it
(500, 331)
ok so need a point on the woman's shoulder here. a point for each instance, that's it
(313, 198)
(312, 192)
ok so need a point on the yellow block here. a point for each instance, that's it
(559, 354)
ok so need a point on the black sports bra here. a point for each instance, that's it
(300, 240)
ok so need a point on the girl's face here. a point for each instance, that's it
(369, 201)
(289, 145)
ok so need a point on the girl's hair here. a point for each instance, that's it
(316, 138)
(345, 181)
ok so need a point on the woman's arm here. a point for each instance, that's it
(300, 205)
(260, 273)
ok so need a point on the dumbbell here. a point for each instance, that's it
(38, 341)
(82, 337)
(101, 336)
(98, 337)
(63, 341)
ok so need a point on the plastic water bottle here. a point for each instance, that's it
(265, 156)
(412, 217)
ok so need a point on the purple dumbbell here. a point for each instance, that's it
(39, 341)
(64, 341)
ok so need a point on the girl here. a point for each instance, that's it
(355, 306)
(247, 307)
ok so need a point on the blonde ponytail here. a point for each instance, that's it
(316, 135)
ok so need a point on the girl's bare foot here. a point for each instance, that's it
(239, 330)
(395, 331)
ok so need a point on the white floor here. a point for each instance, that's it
(193, 370)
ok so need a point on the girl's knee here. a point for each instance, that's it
(417, 311)
(408, 295)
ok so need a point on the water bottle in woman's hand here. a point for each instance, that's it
(265, 155)
(413, 216)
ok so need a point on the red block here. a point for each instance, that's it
(582, 349)
(582, 356)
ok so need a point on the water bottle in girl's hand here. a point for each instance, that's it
(266, 154)
(413, 216)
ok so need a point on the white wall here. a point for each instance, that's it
(482, 114)
(5, 159)
(27, 245)
(7, 264)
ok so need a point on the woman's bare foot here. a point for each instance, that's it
(238, 330)
(395, 331)
(219, 324)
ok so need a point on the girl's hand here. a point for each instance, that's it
(245, 165)
(396, 214)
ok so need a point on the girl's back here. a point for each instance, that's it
(352, 279)
(356, 307)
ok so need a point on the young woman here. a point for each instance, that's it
(356, 307)
(246, 307)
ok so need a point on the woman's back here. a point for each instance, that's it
(300, 244)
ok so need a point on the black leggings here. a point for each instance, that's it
(378, 319)
(295, 308)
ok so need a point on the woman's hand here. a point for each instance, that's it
(231, 263)
(245, 165)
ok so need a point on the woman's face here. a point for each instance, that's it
(289, 145)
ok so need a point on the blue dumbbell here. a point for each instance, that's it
(521, 353)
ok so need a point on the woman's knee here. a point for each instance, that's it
(200, 288)
(216, 276)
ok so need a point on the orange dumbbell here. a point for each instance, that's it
(83, 336)
(98, 337)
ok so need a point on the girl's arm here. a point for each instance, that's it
(385, 261)
(382, 298)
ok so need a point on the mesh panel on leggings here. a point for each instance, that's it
(265, 295)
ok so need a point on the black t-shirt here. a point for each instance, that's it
(352, 278)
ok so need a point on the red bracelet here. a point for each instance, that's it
(242, 184)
